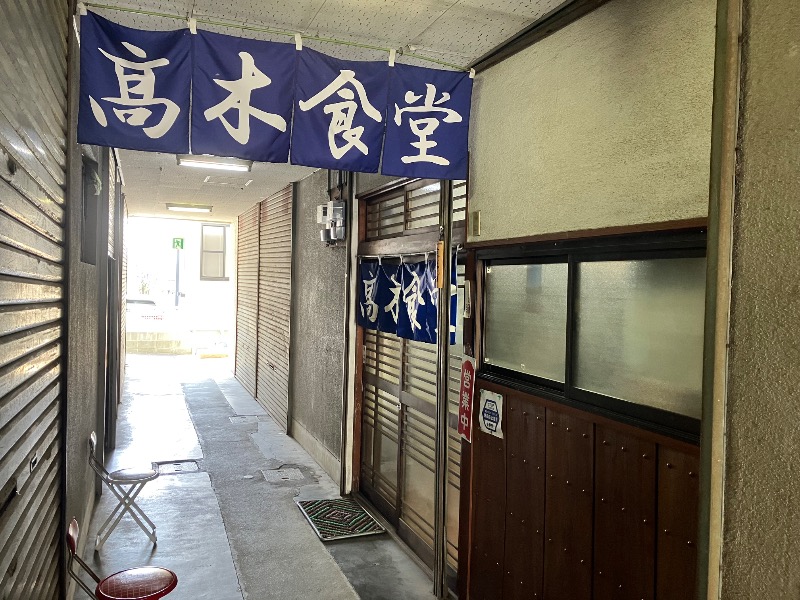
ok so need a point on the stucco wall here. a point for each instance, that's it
(83, 327)
(317, 347)
(605, 123)
(761, 550)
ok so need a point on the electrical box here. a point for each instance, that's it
(322, 214)
(332, 217)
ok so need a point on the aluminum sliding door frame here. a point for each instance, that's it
(441, 440)
(722, 193)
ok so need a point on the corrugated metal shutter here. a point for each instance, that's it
(274, 297)
(247, 299)
(33, 125)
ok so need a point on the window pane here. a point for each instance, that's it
(640, 331)
(213, 238)
(526, 318)
(213, 264)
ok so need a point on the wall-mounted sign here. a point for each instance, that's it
(490, 413)
(465, 398)
(177, 243)
(250, 98)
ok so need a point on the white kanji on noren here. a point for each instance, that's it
(412, 296)
(369, 308)
(394, 306)
(342, 113)
(424, 127)
(137, 81)
(239, 100)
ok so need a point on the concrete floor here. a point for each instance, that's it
(226, 531)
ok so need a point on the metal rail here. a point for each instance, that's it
(270, 30)
(442, 387)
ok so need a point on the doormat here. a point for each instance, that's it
(339, 518)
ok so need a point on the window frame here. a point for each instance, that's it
(619, 248)
(224, 251)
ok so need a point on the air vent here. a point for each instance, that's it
(228, 181)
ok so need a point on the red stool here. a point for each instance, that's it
(141, 583)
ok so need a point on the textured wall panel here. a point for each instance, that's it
(762, 472)
(33, 107)
(607, 122)
(318, 306)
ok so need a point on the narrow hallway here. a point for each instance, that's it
(227, 531)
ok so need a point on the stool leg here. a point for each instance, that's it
(105, 530)
(126, 497)
(132, 508)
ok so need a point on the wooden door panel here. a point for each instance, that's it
(625, 515)
(525, 488)
(568, 497)
(678, 497)
(488, 517)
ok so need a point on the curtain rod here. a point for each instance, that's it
(395, 256)
(243, 26)
(458, 248)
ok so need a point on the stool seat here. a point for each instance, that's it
(134, 475)
(142, 583)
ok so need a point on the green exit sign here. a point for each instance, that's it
(177, 243)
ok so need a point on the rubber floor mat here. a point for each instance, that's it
(339, 518)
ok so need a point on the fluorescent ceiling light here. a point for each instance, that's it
(213, 162)
(192, 208)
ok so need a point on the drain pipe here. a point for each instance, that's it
(442, 387)
(350, 233)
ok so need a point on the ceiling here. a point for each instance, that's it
(153, 179)
(454, 31)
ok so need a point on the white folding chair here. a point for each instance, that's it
(125, 484)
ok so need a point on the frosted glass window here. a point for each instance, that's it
(212, 252)
(526, 318)
(213, 238)
(639, 331)
(213, 265)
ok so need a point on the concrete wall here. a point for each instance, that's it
(317, 345)
(607, 122)
(761, 547)
(83, 327)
